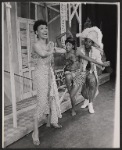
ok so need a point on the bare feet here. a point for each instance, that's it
(35, 139)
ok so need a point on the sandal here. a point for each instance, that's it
(57, 126)
(35, 140)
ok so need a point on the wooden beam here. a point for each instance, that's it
(73, 13)
(18, 49)
(53, 8)
(10, 47)
(46, 12)
(38, 3)
(53, 3)
(80, 24)
(54, 19)
(63, 22)
(78, 19)
(3, 107)
(76, 14)
(36, 12)
(19, 56)
(29, 56)
(69, 15)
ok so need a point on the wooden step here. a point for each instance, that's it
(103, 78)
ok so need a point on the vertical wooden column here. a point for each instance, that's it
(19, 50)
(69, 15)
(46, 11)
(63, 11)
(3, 75)
(10, 47)
(80, 21)
(36, 11)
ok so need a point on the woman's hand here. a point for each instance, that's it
(51, 46)
(78, 52)
(59, 50)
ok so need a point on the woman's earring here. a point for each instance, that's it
(37, 34)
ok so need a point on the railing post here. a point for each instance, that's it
(3, 132)
(10, 47)
(80, 24)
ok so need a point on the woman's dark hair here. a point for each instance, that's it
(70, 40)
(38, 23)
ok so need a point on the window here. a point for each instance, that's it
(26, 10)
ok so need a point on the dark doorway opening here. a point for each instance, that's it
(104, 17)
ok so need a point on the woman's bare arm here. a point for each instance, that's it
(41, 52)
(58, 38)
(59, 50)
(79, 53)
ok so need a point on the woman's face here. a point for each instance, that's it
(42, 31)
(69, 47)
(88, 43)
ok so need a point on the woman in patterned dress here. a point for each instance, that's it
(44, 79)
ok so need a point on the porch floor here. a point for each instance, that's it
(25, 120)
(82, 131)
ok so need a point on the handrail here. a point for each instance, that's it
(58, 78)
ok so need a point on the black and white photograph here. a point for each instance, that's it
(60, 74)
